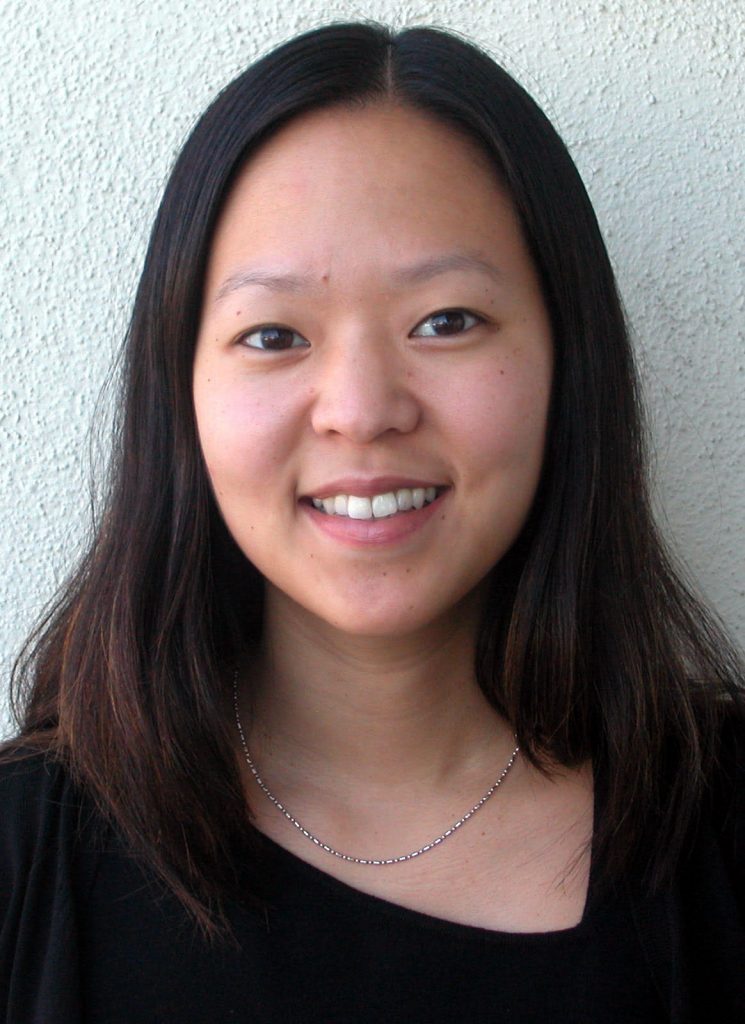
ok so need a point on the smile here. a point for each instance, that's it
(377, 506)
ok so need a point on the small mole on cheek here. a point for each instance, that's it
(385, 573)
(501, 373)
(238, 312)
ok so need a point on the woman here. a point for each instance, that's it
(376, 696)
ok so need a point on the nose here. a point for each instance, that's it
(363, 391)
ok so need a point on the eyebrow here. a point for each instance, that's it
(415, 273)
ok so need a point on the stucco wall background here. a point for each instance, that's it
(98, 95)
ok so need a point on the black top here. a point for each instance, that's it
(87, 935)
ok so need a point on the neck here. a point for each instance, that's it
(370, 712)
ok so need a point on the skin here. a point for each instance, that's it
(363, 695)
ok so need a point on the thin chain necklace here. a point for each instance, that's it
(346, 856)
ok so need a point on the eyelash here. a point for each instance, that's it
(440, 312)
(269, 327)
(444, 312)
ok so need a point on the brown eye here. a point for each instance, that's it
(446, 323)
(273, 339)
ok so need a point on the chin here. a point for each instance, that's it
(395, 621)
(395, 628)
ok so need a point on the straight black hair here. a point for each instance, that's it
(592, 645)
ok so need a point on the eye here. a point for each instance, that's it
(445, 323)
(272, 338)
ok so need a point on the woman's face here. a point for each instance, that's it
(372, 328)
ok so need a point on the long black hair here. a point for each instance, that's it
(591, 645)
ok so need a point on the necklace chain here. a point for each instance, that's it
(346, 856)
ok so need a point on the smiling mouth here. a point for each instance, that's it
(377, 506)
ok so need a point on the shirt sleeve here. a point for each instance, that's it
(39, 821)
(710, 917)
(730, 809)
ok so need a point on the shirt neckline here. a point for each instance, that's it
(344, 892)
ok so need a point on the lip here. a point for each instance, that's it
(366, 487)
(374, 533)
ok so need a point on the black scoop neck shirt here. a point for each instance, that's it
(87, 935)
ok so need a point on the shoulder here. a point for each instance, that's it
(41, 810)
(712, 877)
(42, 820)
(31, 783)
(693, 931)
(28, 774)
(727, 795)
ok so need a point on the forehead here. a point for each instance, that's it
(392, 134)
(340, 188)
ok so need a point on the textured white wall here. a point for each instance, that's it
(98, 95)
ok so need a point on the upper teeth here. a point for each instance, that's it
(379, 505)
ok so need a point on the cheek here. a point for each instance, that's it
(243, 433)
(501, 418)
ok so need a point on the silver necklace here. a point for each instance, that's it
(346, 856)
